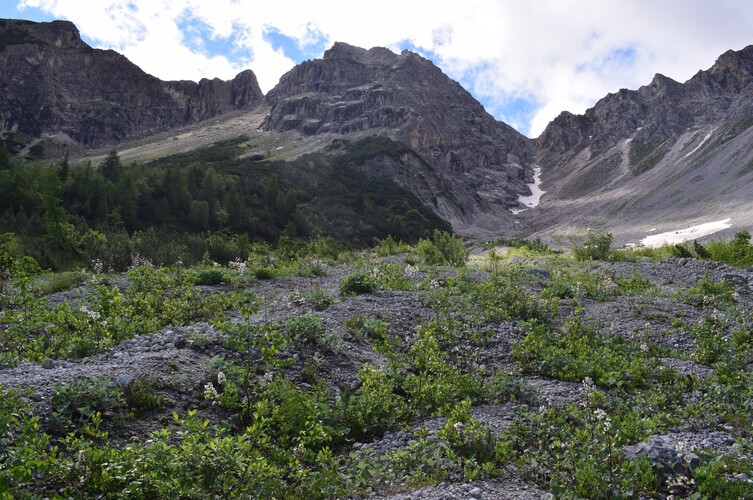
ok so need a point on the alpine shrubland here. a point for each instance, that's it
(399, 370)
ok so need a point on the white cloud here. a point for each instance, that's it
(556, 54)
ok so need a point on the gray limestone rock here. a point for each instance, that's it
(54, 83)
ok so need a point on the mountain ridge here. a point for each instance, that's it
(468, 166)
(663, 155)
(55, 83)
(667, 153)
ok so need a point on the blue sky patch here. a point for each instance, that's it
(198, 37)
(622, 56)
(292, 49)
(8, 10)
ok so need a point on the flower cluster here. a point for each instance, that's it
(375, 274)
(211, 393)
(410, 271)
(684, 450)
(239, 265)
(588, 386)
(96, 266)
(93, 315)
(436, 283)
(602, 417)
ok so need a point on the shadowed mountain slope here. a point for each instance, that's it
(467, 166)
(665, 155)
(53, 83)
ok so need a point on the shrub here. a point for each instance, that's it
(738, 252)
(708, 293)
(376, 330)
(635, 284)
(502, 298)
(358, 283)
(141, 394)
(388, 246)
(596, 247)
(580, 351)
(307, 328)
(467, 437)
(209, 276)
(77, 403)
(319, 300)
(375, 407)
(443, 249)
(597, 285)
(264, 273)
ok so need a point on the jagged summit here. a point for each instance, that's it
(668, 150)
(467, 165)
(54, 83)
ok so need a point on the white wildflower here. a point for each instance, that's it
(221, 378)
(96, 266)
(93, 315)
(680, 480)
(410, 271)
(602, 417)
(375, 274)
(588, 385)
(211, 393)
(684, 450)
(239, 265)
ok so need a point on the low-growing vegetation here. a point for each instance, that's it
(307, 371)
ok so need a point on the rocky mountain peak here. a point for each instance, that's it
(667, 150)
(54, 83)
(734, 69)
(661, 87)
(466, 162)
(655, 112)
(342, 50)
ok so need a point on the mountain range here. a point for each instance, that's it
(662, 157)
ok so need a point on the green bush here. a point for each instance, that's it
(635, 284)
(503, 298)
(209, 276)
(580, 351)
(77, 403)
(444, 249)
(588, 283)
(358, 283)
(738, 252)
(306, 328)
(596, 247)
(388, 246)
(141, 394)
(707, 293)
(375, 407)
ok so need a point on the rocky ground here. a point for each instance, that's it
(178, 358)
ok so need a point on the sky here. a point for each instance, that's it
(526, 61)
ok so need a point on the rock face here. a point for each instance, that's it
(665, 154)
(463, 163)
(52, 82)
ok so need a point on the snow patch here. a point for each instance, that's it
(681, 235)
(536, 192)
(701, 144)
